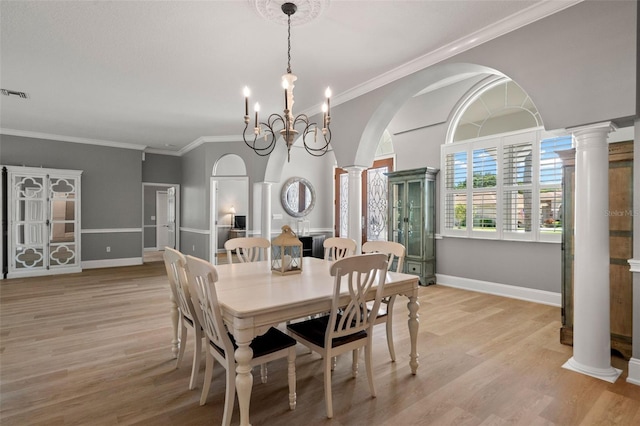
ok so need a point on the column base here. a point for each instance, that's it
(634, 371)
(607, 374)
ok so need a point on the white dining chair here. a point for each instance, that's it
(175, 262)
(248, 249)
(348, 327)
(395, 253)
(336, 248)
(221, 346)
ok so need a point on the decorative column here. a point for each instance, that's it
(591, 321)
(265, 220)
(354, 215)
(634, 362)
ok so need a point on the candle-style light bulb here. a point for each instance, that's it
(325, 108)
(246, 92)
(285, 86)
(256, 108)
(327, 93)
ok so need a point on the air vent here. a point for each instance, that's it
(7, 92)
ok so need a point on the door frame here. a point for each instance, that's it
(389, 161)
(159, 207)
(177, 205)
(213, 208)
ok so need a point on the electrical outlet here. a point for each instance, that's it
(193, 248)
(153, 218)
(108, 249)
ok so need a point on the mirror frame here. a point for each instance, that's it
(283, 196)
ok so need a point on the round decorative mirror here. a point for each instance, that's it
(298, 196)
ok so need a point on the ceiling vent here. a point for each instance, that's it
(7, 92)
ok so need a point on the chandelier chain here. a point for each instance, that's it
(289, 44)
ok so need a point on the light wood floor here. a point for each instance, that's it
(94, 349)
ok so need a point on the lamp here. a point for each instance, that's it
(232, 210)
(287, 122)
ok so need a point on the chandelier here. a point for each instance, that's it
(285, 124)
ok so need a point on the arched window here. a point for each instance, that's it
(502, 176)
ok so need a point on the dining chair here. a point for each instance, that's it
(248, 249)
(272, 345)
(336, 248)
(175, 262)
(349, 326)
(395, 252)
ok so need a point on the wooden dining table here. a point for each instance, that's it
(252, 299)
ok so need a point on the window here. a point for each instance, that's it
(515, 191)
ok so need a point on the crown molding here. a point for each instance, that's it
(73, 139)
(162, 152)
(504, 26)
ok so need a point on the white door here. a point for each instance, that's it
(162, 224)
(171, 217)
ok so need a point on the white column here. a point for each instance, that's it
(354, 214)
(634, 362)
(265, 220)
(591, 321)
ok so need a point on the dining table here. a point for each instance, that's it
(252, 299)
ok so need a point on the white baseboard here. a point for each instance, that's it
(110, 263)
(522, 293)
(634, 371)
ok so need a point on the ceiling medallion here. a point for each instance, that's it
(307, 10)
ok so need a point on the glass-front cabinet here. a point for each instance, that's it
(43, 207)
(412, 219)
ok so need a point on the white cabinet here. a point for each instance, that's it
(43, 212)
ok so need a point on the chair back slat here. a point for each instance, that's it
(392, 249)
(202, 277)
(175, 264)
(336, 248)
(359, 274)
(248, 249)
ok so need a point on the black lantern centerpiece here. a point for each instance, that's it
(286, 253)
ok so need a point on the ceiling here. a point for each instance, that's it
(163, 75)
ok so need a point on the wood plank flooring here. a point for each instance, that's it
(94, 349)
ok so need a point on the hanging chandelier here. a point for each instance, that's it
(266, 133)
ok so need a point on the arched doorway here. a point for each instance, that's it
(229, 203)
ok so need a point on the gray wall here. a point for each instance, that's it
(578, 66)
(110, 189)
(158, 168)
(319, 172)
(418, 131)
(197, 168)
(577, 70)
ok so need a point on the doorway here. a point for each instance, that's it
(229, 199)
(161, 215)
(374, 201)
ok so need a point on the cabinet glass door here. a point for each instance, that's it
(414, 220)
(429, 219)
(28, 229)
(62, 234)
(397, 212)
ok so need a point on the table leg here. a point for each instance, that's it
(413, 306)
(244, 379)
(174, 324)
